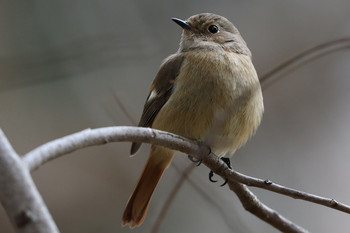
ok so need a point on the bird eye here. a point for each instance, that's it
(213, 29)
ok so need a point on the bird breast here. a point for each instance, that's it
(216, 98)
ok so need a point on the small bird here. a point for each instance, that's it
(211, 74)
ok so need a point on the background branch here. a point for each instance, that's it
(159, 219)
(303, 58)
(19, 196)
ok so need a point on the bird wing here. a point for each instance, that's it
(159, 93)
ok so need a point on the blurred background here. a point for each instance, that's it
(63, 63)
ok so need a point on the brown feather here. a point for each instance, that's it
(136, 208)
(162, 85)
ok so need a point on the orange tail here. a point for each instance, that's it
(136, 208)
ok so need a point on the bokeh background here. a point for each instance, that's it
(63, 63)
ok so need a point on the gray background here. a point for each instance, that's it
(62, 62)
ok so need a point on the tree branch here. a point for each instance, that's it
(91, 137)
(303, 58)
(212, 161)
(19, 196)
(100, 136)
(252, 204)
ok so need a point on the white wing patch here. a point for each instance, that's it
(152, 95)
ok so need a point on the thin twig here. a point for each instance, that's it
(296, 194)
(124, 109)
(252, 204)
(292, 68)
(300, 56)
(269, 185)
(170, 199)
(230, 217)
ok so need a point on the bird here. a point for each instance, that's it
(207, 91)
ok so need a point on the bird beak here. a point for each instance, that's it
(184, 24)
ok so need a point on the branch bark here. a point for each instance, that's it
(252, 204)
(91, 137)
(19, 195)
(100, 136)
(212, 162)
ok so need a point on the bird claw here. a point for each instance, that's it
(211, 173)
(198, 161)
(227, 161)
(226, 180)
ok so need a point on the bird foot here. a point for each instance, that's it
(211, 173)
(195, 160)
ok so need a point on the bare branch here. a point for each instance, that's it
(229, 216)
(212, 162)
(99, 136)
(296, 194)
(302, 59)
(19, 196)
(249, 201)
(93, 137)
(252, 204)
(313, 53)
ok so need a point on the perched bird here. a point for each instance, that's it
(211, 73)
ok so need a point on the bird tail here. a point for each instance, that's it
(136, 208)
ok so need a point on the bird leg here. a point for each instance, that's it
(211, 173)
